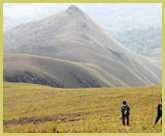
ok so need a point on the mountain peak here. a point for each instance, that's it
(73, 9)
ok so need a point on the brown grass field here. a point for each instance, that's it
(29, 108)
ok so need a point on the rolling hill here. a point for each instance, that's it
(30, 108)
(73, 37)
(51, 72)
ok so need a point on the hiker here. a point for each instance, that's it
(159, 113)
(125, 113)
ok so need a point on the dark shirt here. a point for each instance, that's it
(123, 107)
(160, 109)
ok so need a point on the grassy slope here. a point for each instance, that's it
(103, 106)
(57, 73)
(68, 74)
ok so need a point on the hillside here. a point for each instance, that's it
(41, 109)
(72, 36)
(142, 41)
(52, 72)
(59, 73)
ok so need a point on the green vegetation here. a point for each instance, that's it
(143, 41)
(78, 110)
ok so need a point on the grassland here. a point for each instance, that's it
(36, 108)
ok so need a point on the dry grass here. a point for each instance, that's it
(98, 109)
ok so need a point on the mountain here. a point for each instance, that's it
(133, 15)
(72, 36)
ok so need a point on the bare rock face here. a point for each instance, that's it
(74, 37)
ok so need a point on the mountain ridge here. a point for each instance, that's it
(73, 36)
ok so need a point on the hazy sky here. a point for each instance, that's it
(111, 16)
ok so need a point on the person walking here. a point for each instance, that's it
(125, 111)
(159, 113)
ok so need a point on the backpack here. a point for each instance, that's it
(125, 110)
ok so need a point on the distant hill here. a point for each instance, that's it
(72, 36)
(142, 41)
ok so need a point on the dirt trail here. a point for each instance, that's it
(57, 118)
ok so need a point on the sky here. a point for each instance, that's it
(112, 16)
